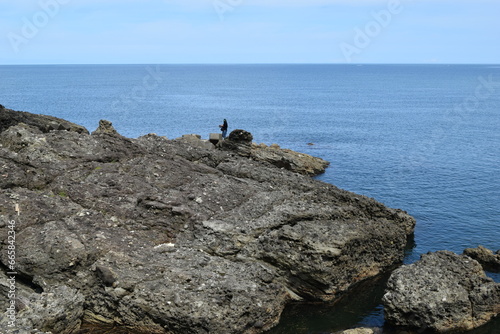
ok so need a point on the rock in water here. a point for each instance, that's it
(163, 237)
(489, 260)
(442, 292)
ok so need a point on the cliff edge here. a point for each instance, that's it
(165, 237)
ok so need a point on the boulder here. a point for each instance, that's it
(442, 292)
(105, 127)
(163, 237)
(489, 260)
(239, 141)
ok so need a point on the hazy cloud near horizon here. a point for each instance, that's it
(249, 31)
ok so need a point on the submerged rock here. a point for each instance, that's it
(442, 292)
(163, 237)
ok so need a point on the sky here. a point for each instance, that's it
(249, 31)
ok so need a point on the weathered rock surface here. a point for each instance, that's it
(105, 127)
(59, 310)
(442, 292)
(489, 260)
(196, 142)
(240, 141)
(166, 238)
(45, 123)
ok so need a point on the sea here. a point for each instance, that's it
(422, 138)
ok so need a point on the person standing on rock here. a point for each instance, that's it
(223, 128)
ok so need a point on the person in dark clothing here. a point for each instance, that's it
(223, 128)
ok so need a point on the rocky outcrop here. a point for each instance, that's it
(44, 123)
(283, 158)
(240, 141)
(489, 260)
(162, 237)
(442, 292)
(105, 127)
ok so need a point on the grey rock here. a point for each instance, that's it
(195, 142)
(283, 158)
(59, 309)
(105, 127)
(240, 142)
(442, 292)
(106, 275)
(163, 237)
(489, 260)
(44, 123)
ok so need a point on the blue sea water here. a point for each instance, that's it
(423, 138)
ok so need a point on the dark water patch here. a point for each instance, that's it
(361, 306)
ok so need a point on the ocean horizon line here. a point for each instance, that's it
(255, 64)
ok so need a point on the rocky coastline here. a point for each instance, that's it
(165, 237)
(178, 236)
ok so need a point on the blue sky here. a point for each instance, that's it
(249, 31)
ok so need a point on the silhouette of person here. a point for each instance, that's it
(223, 128)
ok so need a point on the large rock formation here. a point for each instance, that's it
(166, 238)
(442, 292)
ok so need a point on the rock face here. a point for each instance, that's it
(44, 123)
(166, 238)
(489, 260)
(442, 292)
(240, 141)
